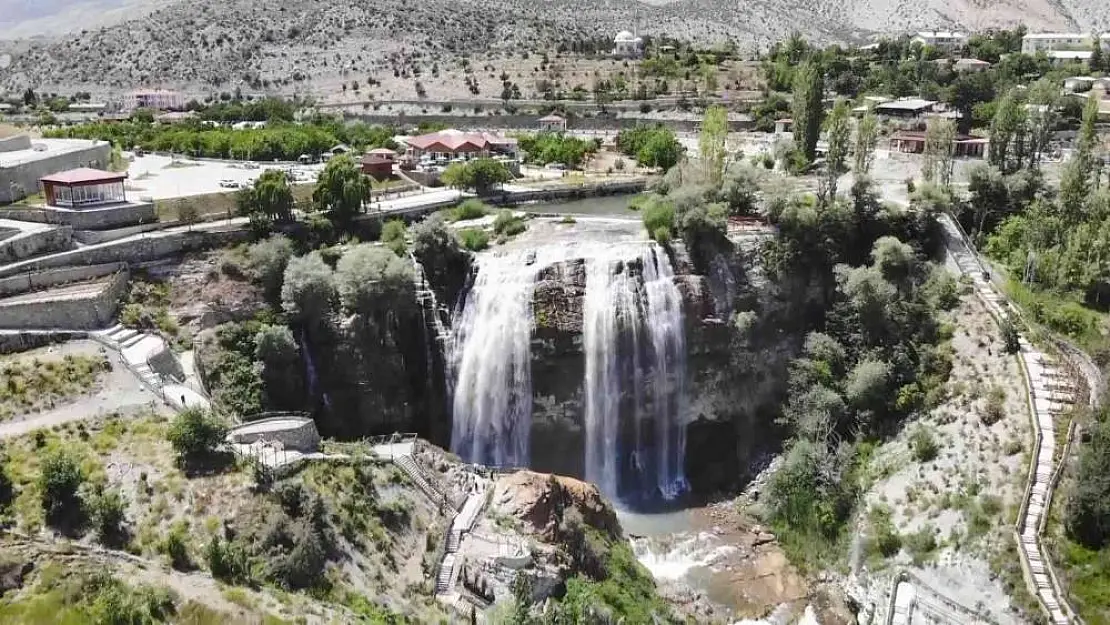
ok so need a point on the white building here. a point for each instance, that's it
(158, 99)
(627, 45)
(941, 39)
(1063, 42)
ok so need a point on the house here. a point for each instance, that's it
(552, 123)
(1079, 83)
(448, 145)
(913, 142)
(970, 66)
(1063, 42)
(378, 163)
(626, 45)
(906, 108)
(157, 99)
(1068, 56)
(83, 188)
(175, 117)
(783, 126)
(941, 39)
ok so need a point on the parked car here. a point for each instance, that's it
(229, 184)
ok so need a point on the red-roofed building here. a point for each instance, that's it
(447, 145)
(83, 187)
(378, 163)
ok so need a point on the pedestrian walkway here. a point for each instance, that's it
(1050, 393)
(136, 350)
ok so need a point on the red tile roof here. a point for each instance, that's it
(454, 140)
(84, 175)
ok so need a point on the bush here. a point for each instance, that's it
(884, 536)
(469, 209)
(7, 489)
(175, 546)
(304, 565)
(924, 444)
(474, 239)
(1010, 337)
(508, 224)
(393, 236)
(995, 408)
(658, 216)
(195, 434)
(227, 561)
(59, 482)
(921, 544)
(109, 517)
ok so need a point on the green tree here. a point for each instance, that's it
(308, 292)
(838, 131)
(266, 263)
(661, 150)
(393, 236)
(59, 481)
(480, 175)
(109, 512)
(341, 189)
(280, 356)
(195, 434)
(867, 137)
(938, 162)
(1007, 134)
(808, 108)
(373, 282)
(273, 196)
(711, 143)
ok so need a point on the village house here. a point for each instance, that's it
(626, 45)
(552, 123)
(1032, 43)
(971, 66)
(378, 163)
(906, 108)
(913, 142)
(941, 39)
(157, 99)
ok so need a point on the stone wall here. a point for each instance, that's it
(26, 175)
(13, 342)
(116, 216)
(528, 122)
(51, 277)
(77, 313)
(92, 237)
(300, 434)
(159, 245)
(35, 243)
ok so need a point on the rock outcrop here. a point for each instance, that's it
(542, 501)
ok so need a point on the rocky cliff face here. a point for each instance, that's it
(731, 384)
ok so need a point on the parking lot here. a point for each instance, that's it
(162, 177)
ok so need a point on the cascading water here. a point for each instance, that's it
(635, 345)
(635, 355)
(492, 405)
(310, 371)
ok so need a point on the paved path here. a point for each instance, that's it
(1051, 392)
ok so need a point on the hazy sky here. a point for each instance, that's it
(26, 18)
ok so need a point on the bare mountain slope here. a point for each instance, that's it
(222, 44)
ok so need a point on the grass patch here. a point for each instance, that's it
(1060, 312)
(1088, 580)
(43, 382)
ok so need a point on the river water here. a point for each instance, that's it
(604, 206)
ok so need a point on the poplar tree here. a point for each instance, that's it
(867, 137)
(711, 143)
(939, 151)
(809, 91)
(838, 132)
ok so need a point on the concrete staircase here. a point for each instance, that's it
(1050, 394)
(138, 350)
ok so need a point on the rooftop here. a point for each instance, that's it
(552, 118)
(84, 175)
(42, 149)
(1080, 55)
(941, 34)
(908, 104)
(1056, 35)
(455, 139)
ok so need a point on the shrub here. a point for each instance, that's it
(474, 239)
(195, 435)
(658, 216)
(109, 517)
(921, 544)
(884, 536)
(175, 546)
(508, 224)
(924, 444)
(469, 209)
(59, 482)
(393, 236)
(226, 561)
(996, 406)
(304, 565)
(1010, 337)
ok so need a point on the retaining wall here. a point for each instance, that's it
(92, 237)
(528, 122)
(119, 215)
(12, 342)
(34, 243)
(301, 435)
(141, 249)
(78, 313)
(52, 277)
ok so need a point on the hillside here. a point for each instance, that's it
(293, 47)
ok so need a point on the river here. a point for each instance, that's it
(603, 206)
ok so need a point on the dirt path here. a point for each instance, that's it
(117, 391)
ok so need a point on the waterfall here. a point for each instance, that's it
(634, 344)
(492, 405)
(310, 371)
(634, 339)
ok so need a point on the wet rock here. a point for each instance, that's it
(12, 574)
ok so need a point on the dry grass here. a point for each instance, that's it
(27, 387)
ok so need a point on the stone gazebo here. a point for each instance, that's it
(83, 188)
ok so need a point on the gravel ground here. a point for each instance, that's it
(117, 391)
